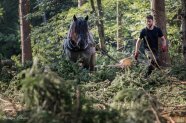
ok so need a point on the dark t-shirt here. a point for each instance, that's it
(151, 36)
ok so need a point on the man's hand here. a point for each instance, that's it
(164, 48)
(136, 54)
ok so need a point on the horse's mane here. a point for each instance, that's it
(70, 30)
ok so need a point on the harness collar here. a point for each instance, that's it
(73, 47)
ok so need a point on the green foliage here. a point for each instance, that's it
(129, 94)
(7, 71)
(105, 73)
(47, 94)
(71, 71)
(43, 10)
(1, 13)
(108, 95)
(179, 71)
(9, 26)
(46, 90)
(138, 106)
(128, 98)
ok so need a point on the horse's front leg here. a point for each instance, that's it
(92, 62)
(72, 56)
(86, 63)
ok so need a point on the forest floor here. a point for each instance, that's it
(173, 112)
(169, 93)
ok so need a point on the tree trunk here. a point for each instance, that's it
(184, 29)
(24, 7)
(99, 22)
(100, 25)
(119, 25)
(158, 11)
(0, 65)
(93, 7)
(80, 3)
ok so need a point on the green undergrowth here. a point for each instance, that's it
(69, 93)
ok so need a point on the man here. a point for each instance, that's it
(150, 36)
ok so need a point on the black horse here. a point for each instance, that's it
(79, 44)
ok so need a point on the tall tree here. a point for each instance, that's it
(100, 25)
(99, 21)
(93, 7)
(119, 24)
(184, 29)
(24, 7)
(158, 11)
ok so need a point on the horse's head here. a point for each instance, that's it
(79, 32)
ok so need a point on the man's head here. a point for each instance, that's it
(149, 20)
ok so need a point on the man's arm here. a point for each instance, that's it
(164, 43)
(138, 43)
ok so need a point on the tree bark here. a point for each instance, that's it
(100, 25)
(158, 11)
(24, 7)
(81, 2)
(119, 25)
(99, 22)
(93, 7)
(184, 29)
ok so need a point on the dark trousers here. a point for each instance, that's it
(153, 61)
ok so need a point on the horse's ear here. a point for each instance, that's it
(75, 18)
(86, 18)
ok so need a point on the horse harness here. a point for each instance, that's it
(72, 47)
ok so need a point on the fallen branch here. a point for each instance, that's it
(156, 115)
(168, 118)
(4, 100)
(178, 83)
(123, 63)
